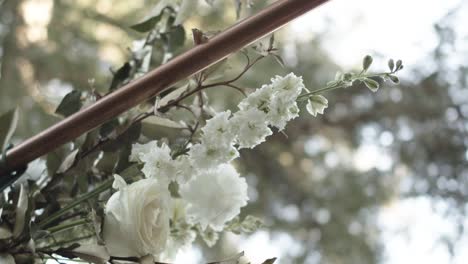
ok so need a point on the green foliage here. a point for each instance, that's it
(70, 104)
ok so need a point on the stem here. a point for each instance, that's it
(103, 187)
(65, 226)
(341, 84)
(61, 243)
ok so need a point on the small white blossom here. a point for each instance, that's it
(184, 169)
(157, 160)
(289, 86)
(215, 196)
(140, 151)
(251, 127)
(282, 110)
(218, 130)
(206, 155)
(260, 99)
(317, 105)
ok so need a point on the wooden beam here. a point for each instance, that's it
(183, 66)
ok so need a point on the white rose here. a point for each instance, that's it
(137, 219)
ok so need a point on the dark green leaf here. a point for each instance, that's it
(176, 37)
(391, 64)
(120, 76)
(126, 138)
(70, 104)
(8, 123)
(269, 261)
(108, 127)
(394, 79)
(399, 65)
(366, 62)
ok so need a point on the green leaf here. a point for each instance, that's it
(279, 60)
(399, 65)
(68, 161)
(165, 122)
(8, 123)
(120, 76)
(176, 37)
(394, 79)
(371, 84)
(70, 104)
(391, 64)
(108, 127)
(148, 24)
(367, 62)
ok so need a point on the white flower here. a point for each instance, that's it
(215, 196)
(182, 235)
(157, 160)
(184, 169)
(289, 86)
(282, 110)
(317, 104)
(136, 219)
(218, 130)
(260, 99)
(251, 127)
(206, 155)
(140, 151)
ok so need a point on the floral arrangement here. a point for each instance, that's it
(118, 195)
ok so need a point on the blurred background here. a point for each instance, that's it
(380, 178)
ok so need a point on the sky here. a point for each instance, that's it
(401, 29)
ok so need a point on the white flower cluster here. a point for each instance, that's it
(211, 190)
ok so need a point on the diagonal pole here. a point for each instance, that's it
(183, 66)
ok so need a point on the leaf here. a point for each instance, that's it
(176, 37)
(120, 76)
(391, 64)
(128, 137)
(108, 127)
(68, 161)
(165, 122)
(394, 79)
(21, 208)
(371, 84)
(366, 62)
(269, 261)
(107, 162)
(8, 124)
(70, 104)
(147, 24)
(399, 65)
(279, 60)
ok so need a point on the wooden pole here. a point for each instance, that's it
(183, 66)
